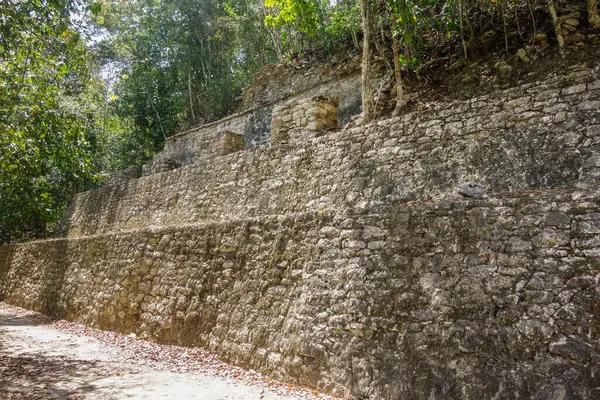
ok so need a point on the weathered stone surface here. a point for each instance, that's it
(572, 349)
(430, 292)
(162, 164)
(348, 262)
(471, 190)
(122, 176)
(228, 142)
(280, 82)
(557, 218)
(314, 114)
(392, 161)
(517, 245)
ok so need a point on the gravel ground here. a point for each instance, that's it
(41, 358)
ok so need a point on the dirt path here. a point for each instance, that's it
(45, 359)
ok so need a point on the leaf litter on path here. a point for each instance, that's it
(174, 359)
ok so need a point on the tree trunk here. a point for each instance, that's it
(532, 14)
(462, 33)
(367, 93)
(593, 17)
(190, 94)
(559, 36)
(397, 71)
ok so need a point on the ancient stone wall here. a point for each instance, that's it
(275, 83)
(185, 148)
(348, 261)
(314, 114)
(491, 298)
(544, 135)
(255, 123)
(5, 260)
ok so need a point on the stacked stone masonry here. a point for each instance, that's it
(544, 135)
(254, 123)
(347, 263)
(227, 143)
(460, 299)
(281, 82)
(314, 114)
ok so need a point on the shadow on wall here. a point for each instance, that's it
(102, 207)
(502, 160)
(27, 320)
(32, 275)
(6, 254)
(53, 278)
(258, 128)
(349, 110)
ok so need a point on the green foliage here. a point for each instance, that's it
(139, 48)
(255, 44)
(344, 21)
(304, 15)
(46, 148)
(73, 108)
(428, 28)
(314, 25)
(179, 62)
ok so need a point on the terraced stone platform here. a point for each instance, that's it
(348, 261)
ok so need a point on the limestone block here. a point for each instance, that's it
(314, 110)
(298, 114)
(279, 130)
(323, 113)
(228, 142)
(166, 164)
(124, 175)
(313, 126)
(316, 114)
